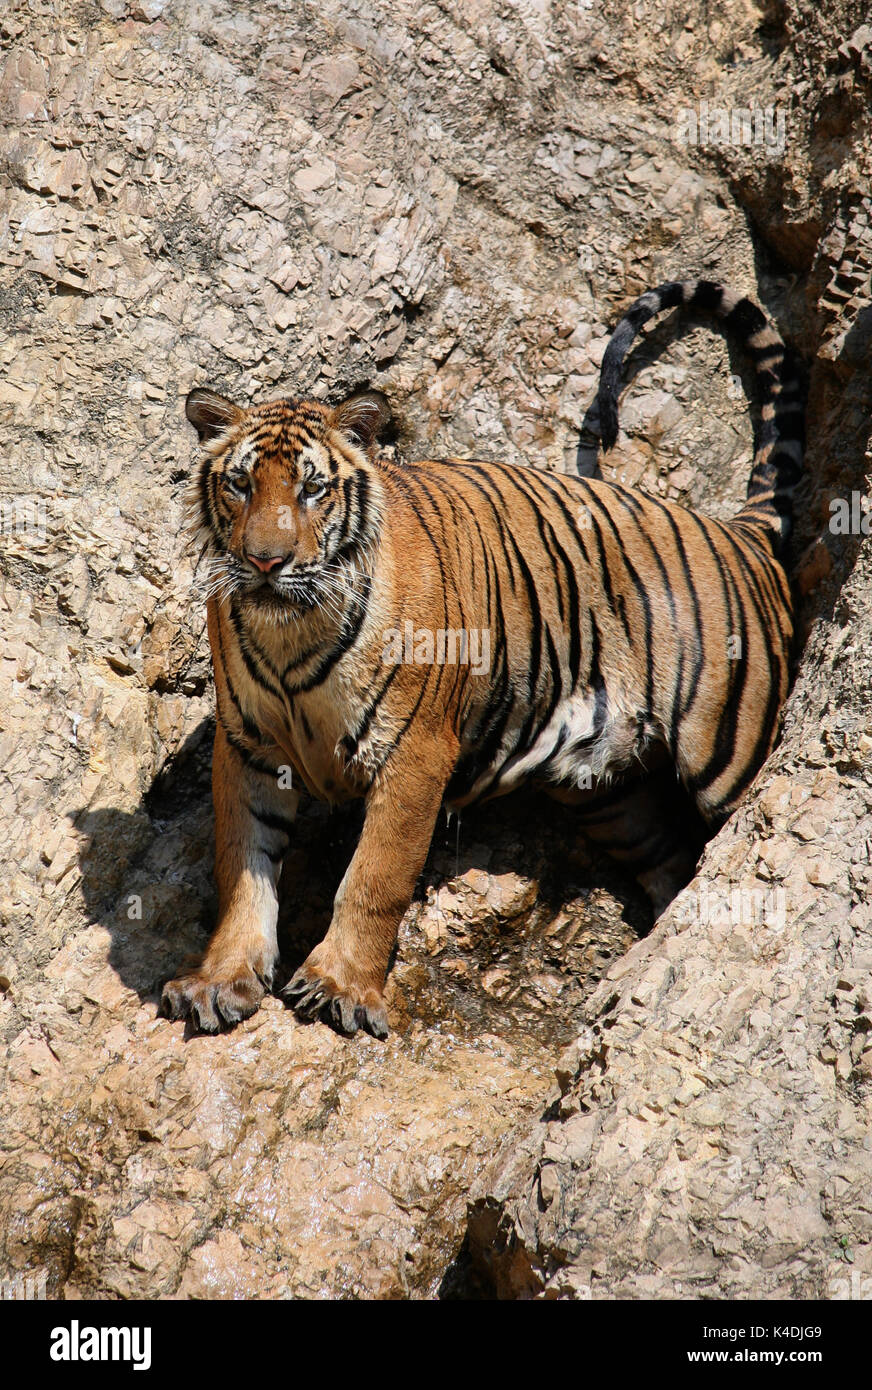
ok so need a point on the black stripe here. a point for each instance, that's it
(760, 751)
(725, 741)
(346, 512)
(251, 653)
(254, 763)
(759, 576)
(645, 603)
(521, 478)
(745, 319)
(203, 488)
(511, 547)
(339, 649)
(635, 505)
(407, 482)
(351, 743)
(538, 479)
(597, 684)
(769, 617)
(707, 296)
(248, 725)
(441, 670)
(616, 606)
(475, 476)
(490, 728)
(408, 721)
(273, 820)
(534, 726)
(681, 709)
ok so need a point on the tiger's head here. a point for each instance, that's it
(286, 499)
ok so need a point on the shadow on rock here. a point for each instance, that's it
(513, 922)
(147, 872)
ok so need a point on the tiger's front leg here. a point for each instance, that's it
(344, 976)
(253, 818)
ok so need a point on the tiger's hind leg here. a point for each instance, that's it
(650, 828)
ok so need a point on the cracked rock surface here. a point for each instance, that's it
(452, 202)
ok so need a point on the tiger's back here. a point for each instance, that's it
(614, 620)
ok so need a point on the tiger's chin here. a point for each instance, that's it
(270, 606)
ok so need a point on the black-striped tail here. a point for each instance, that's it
(779, 446)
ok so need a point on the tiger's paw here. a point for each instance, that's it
(314, 991)
(212, 1004)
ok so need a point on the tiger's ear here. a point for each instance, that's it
(211, 414)
(362, 418)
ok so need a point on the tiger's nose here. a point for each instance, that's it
(265, 563)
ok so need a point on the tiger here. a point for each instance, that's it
(629, 638)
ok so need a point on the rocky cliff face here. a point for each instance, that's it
(451, 202)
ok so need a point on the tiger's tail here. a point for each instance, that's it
(779, 445)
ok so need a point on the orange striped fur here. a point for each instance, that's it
(613, 634)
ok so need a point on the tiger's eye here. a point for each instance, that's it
(312, 487)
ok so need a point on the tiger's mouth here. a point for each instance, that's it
(300, 591)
